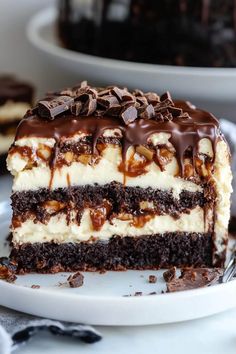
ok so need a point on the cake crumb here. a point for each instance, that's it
(35, 286)
(76, 280)
(170, 274)
(152, 279)
(7, 270)
(138, 293)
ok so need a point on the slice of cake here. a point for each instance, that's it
(105, 178)
(15, 99)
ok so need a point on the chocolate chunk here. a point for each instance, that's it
(175, 111)
(76, 108)
(152, 279)
(51, 107)
(107, 101)
(129, 115)
(76, 280)
(90, 106)
(114, 110)
(192, 278)
(117, 92)
(138, 93)
(166, 96)
(152, 97)
(148, 112)
(170, 274)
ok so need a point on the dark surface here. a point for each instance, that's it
(145, 252)
(175, 32)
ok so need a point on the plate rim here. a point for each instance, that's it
(46, 18)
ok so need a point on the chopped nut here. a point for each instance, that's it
(53, 206)
(69, 156)
(188, 170)
(142, 150)
(44, 152)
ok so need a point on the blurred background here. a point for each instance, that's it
(46, 72)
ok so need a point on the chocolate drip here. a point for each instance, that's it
(184, 132)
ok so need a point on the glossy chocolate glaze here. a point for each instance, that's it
(184, 132)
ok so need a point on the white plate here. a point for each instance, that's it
(101, 299)
(217, 84)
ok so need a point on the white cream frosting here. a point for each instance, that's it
(105, 171)
(5, 142)
(11, 111)
(58, 229)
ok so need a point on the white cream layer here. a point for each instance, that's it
(11, 111)
(5, 143)
(105, 171)
(59, 231)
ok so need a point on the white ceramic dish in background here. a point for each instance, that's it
(208, 84)
(101, 299)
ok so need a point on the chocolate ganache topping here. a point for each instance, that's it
(136, 114)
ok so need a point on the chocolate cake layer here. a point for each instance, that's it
(12, 89)
(146, 252)
(121, 199)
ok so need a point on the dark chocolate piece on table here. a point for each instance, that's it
(152, 279)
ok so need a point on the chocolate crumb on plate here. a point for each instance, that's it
(76, 280)
(7, 270)
(170, 274)
(34, 286)
(152, 279)
(192, 278)
(138, 293)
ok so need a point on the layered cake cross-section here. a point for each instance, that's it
(108, 179)
(15, 99)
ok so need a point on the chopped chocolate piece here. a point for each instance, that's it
(90, 106)
(114, 110)
(76, 280)
(35, 286)
(51, 107)
(166, 96)
(129, 115)
(7, 269)
(117, 92)
(192, 278)
(138, 293)
(148, 112)
(138, 93)
(153, 293)
(107, 101)
(152, 279)
(152, 97)
(76, 108)
(170, 274)
(175, 111)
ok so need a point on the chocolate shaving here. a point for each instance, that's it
(192, 278)
(76, 280)
(107, 101)
(76, 108)
(53, 106)
(170, 274)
